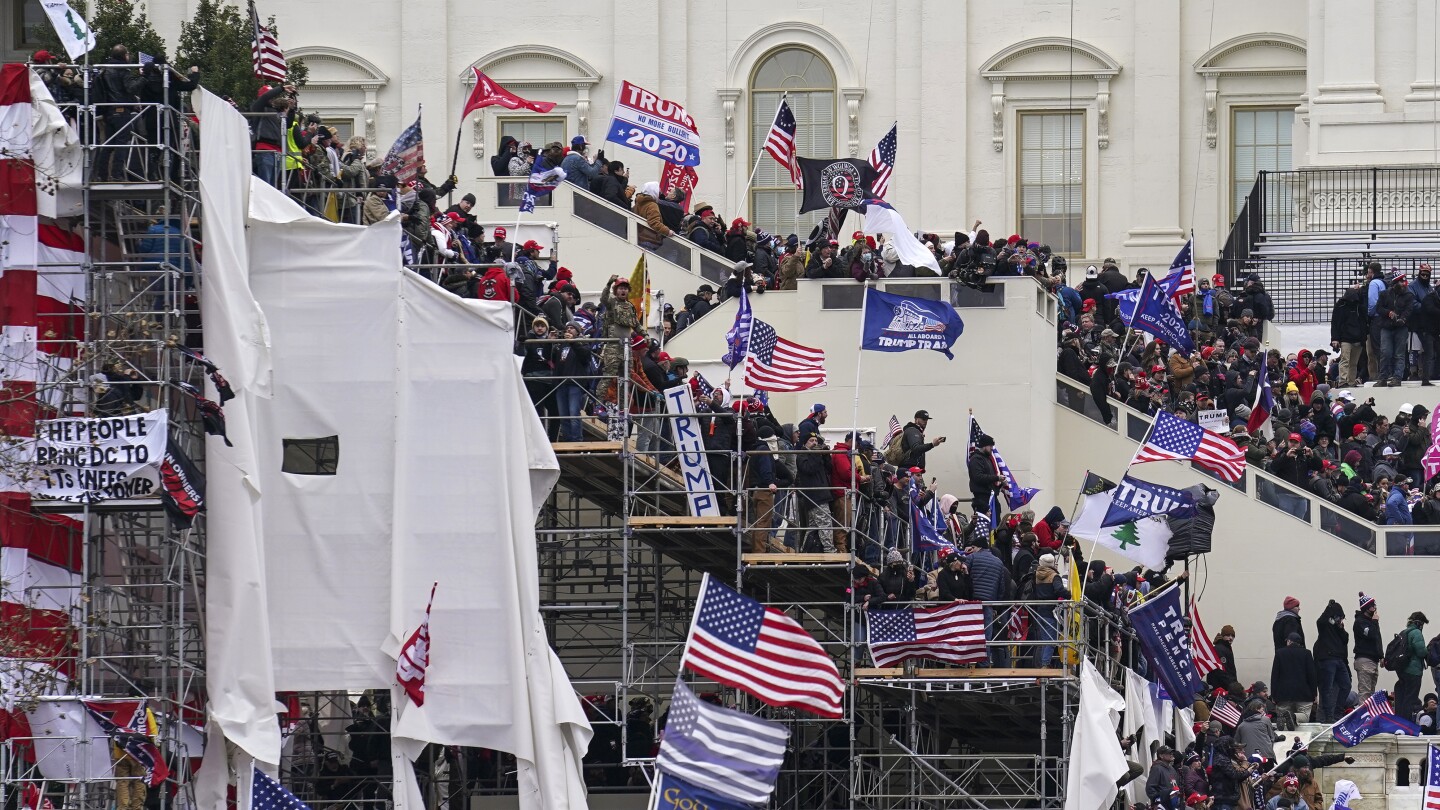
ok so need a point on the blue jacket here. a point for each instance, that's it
(579, 171)
(989, 576)
(1397, 512)
(1070, 304)
(1372, 294)
(165, 239)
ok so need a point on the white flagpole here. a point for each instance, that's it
(749, 184)
(855, 426)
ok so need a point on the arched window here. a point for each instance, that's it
(808, 83)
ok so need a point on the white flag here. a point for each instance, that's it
(1145, 541)
(70, 26)
(1096, 761)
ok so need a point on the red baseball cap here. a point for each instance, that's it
(455, 216)
(1357, 430)
(1296, 437)
(531, 245)
(662, 357)
(500, 233)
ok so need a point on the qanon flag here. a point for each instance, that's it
(835, 183)
(899, 323)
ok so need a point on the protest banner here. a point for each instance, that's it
(647, 123)
(84, 460)
(690, 445)
(1217, 419)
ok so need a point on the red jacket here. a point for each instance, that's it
(840, 466)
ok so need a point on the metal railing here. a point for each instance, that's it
(1304, 506)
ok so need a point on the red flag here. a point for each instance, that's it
(684, 177)
(415, 657)
(487, 93)
(32, 799)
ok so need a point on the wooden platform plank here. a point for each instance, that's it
(795, 559)
(960, 672)
(681, 521)
(586, 447)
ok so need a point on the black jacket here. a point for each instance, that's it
(1332, 639)
(893, 581)
(955, 584)
(983, 476)
(1286, 622)
(1293, 676)
(1368, 641)
(611, 189)
(269, 128)
(915, 447)
(813, 477)
(1395, 300)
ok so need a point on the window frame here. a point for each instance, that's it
(321, 452)
(1039, 112)
(1231, 203)
(756, 143)
(502, 120)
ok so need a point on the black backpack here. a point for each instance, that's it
(1397, 652)
(1432, 652)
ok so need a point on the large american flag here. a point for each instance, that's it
(265, 51)
(404, 158)
(726, 752)
(1172, 438)
(773, 363)
(780, 142)
(882, 157)
(268, 794)
(1431, 798)
(739, 642)
(954, 633)
(1202, 649)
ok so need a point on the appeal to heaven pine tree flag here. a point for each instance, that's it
(1146, 541)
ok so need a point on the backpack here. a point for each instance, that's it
(1397, 652)
(895, 451)
(1432, 652)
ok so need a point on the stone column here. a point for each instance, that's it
(1155, 138)
(1423, 90)
(1347, 62)
(428, 80)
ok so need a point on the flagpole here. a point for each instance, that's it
(745, 197)
(455, 159)
(855, 428)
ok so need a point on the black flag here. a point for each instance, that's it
(835, 183)
(184, 486)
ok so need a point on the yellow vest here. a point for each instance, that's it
(293, 161)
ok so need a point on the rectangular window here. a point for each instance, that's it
(538, 131)
(774, 202)
(344, 127)
(1052, 180)
(1259, 141)
(310, 456)
(28, 20)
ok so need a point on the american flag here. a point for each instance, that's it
(739, 642)
(703, 388)
(268, 794)
(773, 363)
(954, 633)
(1017, 627)
(265, 51)
(1202, 649)
(1172, 438)
(891, 432)
(882, 157)
(414, 657)
(1430, 800)
(1225, 711)
(780, 143)
(404, 158)
(728, 753)
(146, 59)
(1016, 496)
(1181, 278)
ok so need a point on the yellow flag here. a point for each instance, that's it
(1071, 653)
(640, 291)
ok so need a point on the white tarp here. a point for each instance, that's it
(1096, 761)
(1143, 723)
(441, 467)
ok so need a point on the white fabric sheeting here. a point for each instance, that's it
(1096, 761)
(879, 219)
(1142, 722)
(239, 673)
(58, 155)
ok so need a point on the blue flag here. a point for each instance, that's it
(898, 323)
(1135, 499)
(737, 340)
(1157, 314)
(1374, 716)
(1016, 496)
(674, 793)
(927, 537)
(1160, 626)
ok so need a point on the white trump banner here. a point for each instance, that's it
(691, 447)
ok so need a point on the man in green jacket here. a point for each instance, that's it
(1407, 690)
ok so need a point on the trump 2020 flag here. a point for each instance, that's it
(900, 323)
(1159, 624)
(927, 535)
(1374, 716)
(1135, 499)
(1157, 314)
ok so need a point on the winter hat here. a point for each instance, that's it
(860, 571)
(1352, 457)
(1048, 559)
(1291, 603)
(470, 198)
(1366, 601)
(894, 556)
(1227, 630)
(564, 274)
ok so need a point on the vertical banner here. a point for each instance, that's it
(691, 447)
(684, 177)
(1160, 627)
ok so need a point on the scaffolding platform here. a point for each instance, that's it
(961, 673)
(799, 578)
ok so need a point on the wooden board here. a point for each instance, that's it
(959, 673)
(680, 521)
(586, 447)
(795, 559)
